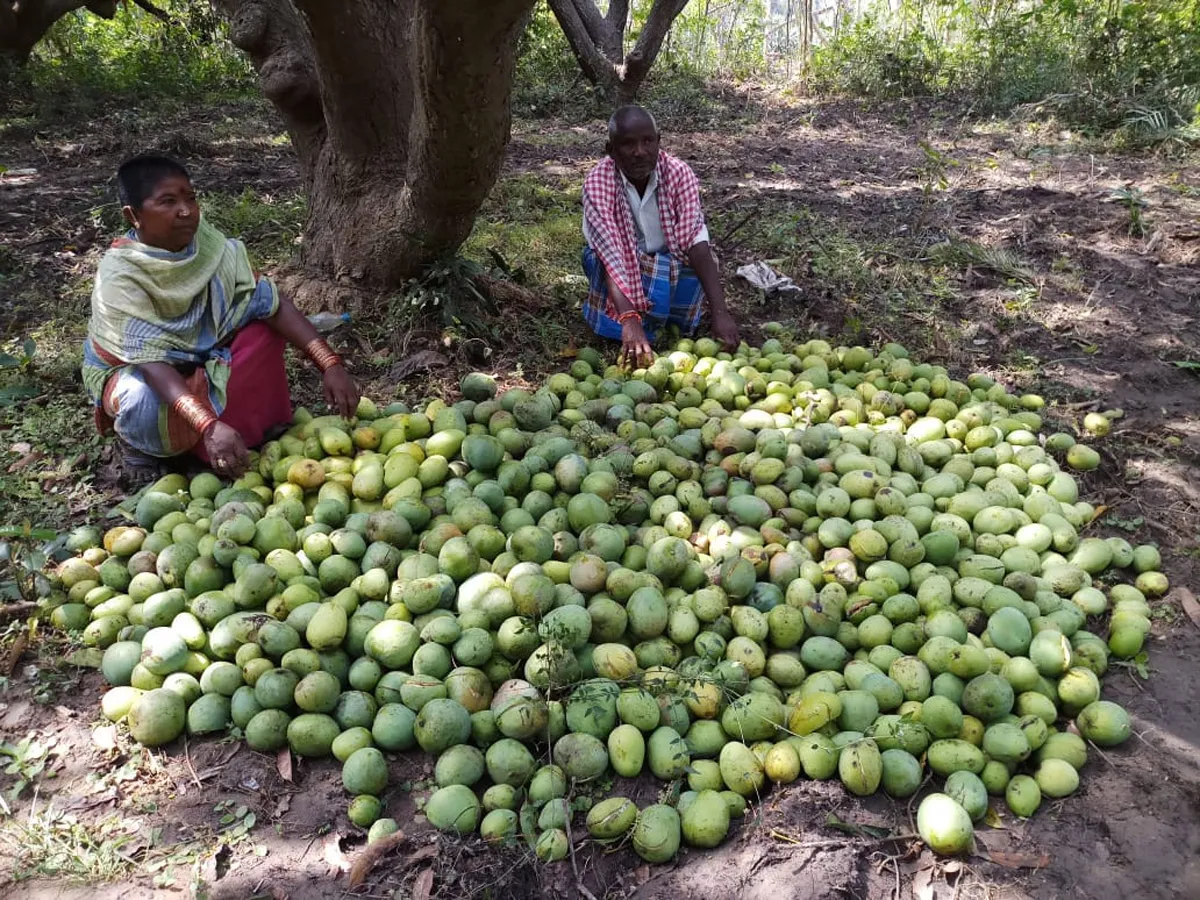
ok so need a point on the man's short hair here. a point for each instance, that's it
(140, 175)
(626, 114)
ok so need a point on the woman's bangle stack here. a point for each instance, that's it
(195, 413)
(319, 351)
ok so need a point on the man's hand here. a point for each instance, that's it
(341, 393)
(635, 348)
(725, 330)
(226, 451)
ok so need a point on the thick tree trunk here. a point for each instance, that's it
(399, 113)
(598, 42)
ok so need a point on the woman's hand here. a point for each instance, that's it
(725, 330)
(635, 348)
(341, 393)
(226, 451)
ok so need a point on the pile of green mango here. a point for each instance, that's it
(728, 570)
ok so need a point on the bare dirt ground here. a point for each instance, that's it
(984, 246)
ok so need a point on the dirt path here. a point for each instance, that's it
(1002, 248)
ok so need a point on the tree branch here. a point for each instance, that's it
(596, 67)
(8, 20)
(658, 24)
(589, 14)
(23, 24)
(105, 9)
(618, 15)
(153, 10)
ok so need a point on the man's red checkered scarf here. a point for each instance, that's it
(614, 235)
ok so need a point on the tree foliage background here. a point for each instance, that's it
(1125, 64)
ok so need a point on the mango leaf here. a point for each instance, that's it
(27, 531)
(13, 393)
(127, 508)
(1139, 663)
(86, 658)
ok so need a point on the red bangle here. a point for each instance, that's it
(319, 351)
(193, 411)
(629, 315)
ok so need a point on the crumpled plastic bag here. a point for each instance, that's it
(767, 280)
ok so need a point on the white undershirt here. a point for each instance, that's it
(646, 218)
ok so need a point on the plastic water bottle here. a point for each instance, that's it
(326, 322)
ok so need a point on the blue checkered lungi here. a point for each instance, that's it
(673, 290)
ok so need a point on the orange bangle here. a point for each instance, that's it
(319, 351)
(194, 412)
(627, 315)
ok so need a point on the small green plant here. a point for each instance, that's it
(448, 292)
(1131, 524)
(15, 374)
(235, 821)
(21, 564)
(1135, 204)
(27, 761)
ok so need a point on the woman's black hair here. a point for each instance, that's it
(139, 176)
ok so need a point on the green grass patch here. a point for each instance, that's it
(534, 225)
(51, 844)
(268, 223)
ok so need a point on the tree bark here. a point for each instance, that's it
(399, 114)
(598, 41)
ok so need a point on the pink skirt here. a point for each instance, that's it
(257, 396)
(257, 399)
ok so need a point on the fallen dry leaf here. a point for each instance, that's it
(429, 851)
(423, 886)
(996, 846)
(105, 737)
(331, 852)
(922, 884)
(20, 645)
(27, 460)
(421, 361)
(373, 853)
(1190, 606)
(283, 762)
